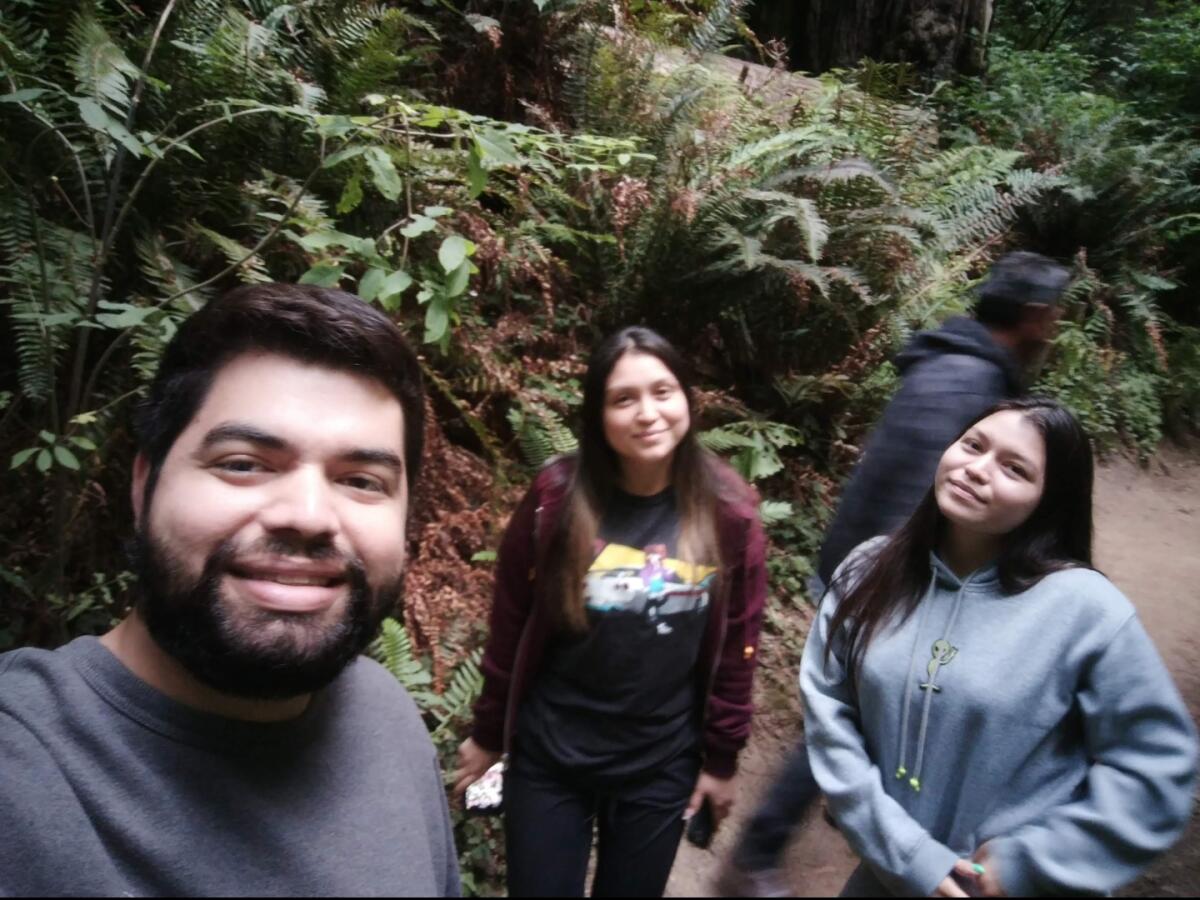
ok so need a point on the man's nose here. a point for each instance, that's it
(303, 502)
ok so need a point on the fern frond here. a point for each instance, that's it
(717, 27)
(393, 648)
(541, 433)
(102, 70)
(772, 512)
(251, 271)
(455, 702)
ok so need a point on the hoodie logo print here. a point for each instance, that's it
(943, 652)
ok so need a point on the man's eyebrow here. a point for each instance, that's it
(369, 456)
(238, 431)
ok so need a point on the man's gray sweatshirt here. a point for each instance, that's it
(107, 787)
(1042, 723)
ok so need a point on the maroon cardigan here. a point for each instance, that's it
(519, 631)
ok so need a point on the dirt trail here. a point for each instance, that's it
(1148, 543)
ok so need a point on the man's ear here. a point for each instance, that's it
(1037, 320)
(137, 490)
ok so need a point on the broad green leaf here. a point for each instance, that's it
(47, 436)
(44, 461)
(342, 155)
(65, 457)
(437, 321)
(95, 117)
(477, 175)
(433, 118)
(85, 418)
(418, 226)
(83, 443)
(371, 283)
(320, 240)
(323, 275)
(484, 556)
(396, 283)
(23, 96)
(383, 173)
(19, 459)
(334, 126)
(453, 251)
(495, 149)
(435, 212)
(129, 316)
(92, 113)
(458, 280)
(393, 286)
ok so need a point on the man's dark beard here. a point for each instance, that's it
(224, 648)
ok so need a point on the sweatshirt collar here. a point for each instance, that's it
(984, 579)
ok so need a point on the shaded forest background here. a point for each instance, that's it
(786, 189)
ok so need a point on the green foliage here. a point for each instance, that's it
(756, 445)
(1114, 396)
(1159, 62)
(394, 649)
(541, 433)
(1181, 392)
(1126, 208)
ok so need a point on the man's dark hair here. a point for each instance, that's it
(310, 324)
(1015, 280)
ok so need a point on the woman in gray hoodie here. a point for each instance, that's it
(984, 710)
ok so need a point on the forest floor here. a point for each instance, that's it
(1147, 542)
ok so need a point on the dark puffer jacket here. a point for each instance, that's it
(950, 376)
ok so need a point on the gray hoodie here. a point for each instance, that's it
(1043, 723)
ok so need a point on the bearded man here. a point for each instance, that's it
(227, 737)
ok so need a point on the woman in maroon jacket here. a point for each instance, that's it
(624, 632)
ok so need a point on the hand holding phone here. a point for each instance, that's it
(701, 826)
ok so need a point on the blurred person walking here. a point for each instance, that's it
(623, 637)
(985, 712)
(950, 376)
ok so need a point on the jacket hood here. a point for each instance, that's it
(964, 336)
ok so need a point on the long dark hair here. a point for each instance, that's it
(1057, 535)
(597, 475)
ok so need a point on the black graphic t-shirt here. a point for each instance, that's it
(620, 700)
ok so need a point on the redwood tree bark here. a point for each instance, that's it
(939, 36)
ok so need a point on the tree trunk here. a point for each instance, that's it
(937, 36)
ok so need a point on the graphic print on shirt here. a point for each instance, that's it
(647, 582)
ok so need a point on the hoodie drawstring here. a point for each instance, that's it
(930, 686)
(901, 771)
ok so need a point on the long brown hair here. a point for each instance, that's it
(1057, 535)
(597, 475)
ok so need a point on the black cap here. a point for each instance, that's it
(1024, 277)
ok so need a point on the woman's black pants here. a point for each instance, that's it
(549, 817)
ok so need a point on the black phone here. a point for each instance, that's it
(701, 826)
